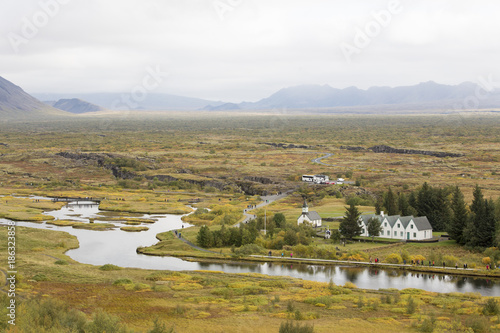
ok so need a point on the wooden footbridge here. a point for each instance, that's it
(76, 199)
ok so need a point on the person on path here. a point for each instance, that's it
(291, 255)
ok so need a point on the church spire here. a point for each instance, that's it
(305, 208)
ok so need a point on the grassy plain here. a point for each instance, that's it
(221, 149)
(205, 160)
(215, 301)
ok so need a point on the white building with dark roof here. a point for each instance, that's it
(309, 217)
(399, 227)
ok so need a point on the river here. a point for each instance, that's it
(119, 248)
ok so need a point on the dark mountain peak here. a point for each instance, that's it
(76, 105)
(15, 103)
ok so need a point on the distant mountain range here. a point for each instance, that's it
(423, 95)
(15, 103)
(426, 95)
(123, 101)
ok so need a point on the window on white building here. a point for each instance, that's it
(385, 224)
(401, 234)
(395, 233)
(388, 233)
(411, 226)
(415, 235)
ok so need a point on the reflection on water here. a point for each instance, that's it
(119, 248)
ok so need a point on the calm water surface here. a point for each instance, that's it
(119, 248)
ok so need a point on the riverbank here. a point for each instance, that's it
(227, 302)
(169, 246)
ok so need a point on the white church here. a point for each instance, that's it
(312, 218)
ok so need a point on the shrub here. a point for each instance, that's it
(103, 322)
(491, 307)
(109, 267)
(289, 327)
(411, 306)
(450, 260)
(405, 255)
(486, 260)
(121, 282)
(477, 324)
(159, 327)
(250, 249)
(428, 324)
(417, 257)
(361, 302)
(298, 315)
(350, 285)
(61, 262)
(40, 277)
(394, 258)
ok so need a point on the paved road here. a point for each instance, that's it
(266, 200)
(318, 160)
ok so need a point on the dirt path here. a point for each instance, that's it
(178, 235)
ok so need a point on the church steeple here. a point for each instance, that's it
(305, 208)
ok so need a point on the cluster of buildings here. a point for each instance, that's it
(394, 226)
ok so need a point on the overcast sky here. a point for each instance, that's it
(244, 50)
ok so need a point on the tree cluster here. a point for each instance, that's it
(245, 234)
(445, 208)
(278, 234)
(432, 202)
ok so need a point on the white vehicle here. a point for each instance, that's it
(308, 178)
(318, 179)
(340, 180)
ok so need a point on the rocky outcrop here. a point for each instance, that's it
(98, 159)
(353, 148)
(251, 185)
(391, 150)
(262, 180)
(285, 146)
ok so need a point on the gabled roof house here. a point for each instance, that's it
(399, 227)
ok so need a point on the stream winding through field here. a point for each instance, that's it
(119, 248)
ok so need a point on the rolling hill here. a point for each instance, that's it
(16, 104)
(76, 105)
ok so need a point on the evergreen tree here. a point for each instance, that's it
(204, 237)
(490, 223)
(379, 206)
(390, 203)
(412, 200)
(481, 224)
(433, 203)
(458, 222)
(374, 227)
(404, 206)
(349, 227)
(280, 220)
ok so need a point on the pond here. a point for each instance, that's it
(119, 248)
